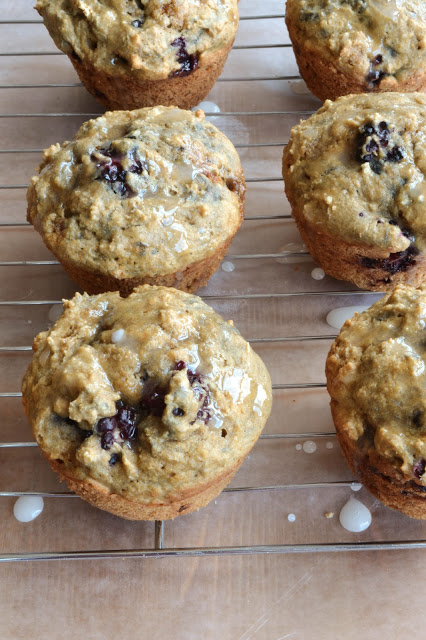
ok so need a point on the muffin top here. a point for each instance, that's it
(380, 41)
(146, 395)
(138, 193)
(356, 170)
(153, 39)
(376, 374)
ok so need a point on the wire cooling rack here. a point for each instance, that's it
(265, 285)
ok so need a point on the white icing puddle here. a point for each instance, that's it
(356, 486)
(291, 517)
(118, 336)
(329, 445)
(294, 247)
(299, 88)
(299, 447)
(309, 446)
(228, 266)
(54, 312)
(355, 516)
(208, 106)
(27, 508)
(317, 273)
(337, 317)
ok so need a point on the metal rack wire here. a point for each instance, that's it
(160, 548)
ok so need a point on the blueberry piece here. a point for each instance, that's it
(86, 433)
(111, 170)
(138, 23)
(180, 365)
(419, 468)
(374, 76)
(377, 60)
(395, 263)
(418, 417)
(177, 411)
(188, 62)
(153, 399)
(114, 459)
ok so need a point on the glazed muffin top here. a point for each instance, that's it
(138, 193)
(154, 39)
(376, 374)
(146, 395)
(356, 170)
(381, 41)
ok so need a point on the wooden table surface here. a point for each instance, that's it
(322, 594)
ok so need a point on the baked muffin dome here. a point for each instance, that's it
(132, 54)
(354, 176)
(357, 46)
(145, 405)
(153, 196)
(376, 378)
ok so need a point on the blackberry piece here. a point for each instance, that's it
(121, 425)
(396, 262)
(188, 61)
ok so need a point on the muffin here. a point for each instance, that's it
(354, 176)
(376, 379)
(147, 405)
(152, 196)
(140, 54)
(359, 46)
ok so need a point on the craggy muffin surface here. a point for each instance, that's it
(355, 171)
(138, 193)
(155, 39)
(149, 395)
(376, 375)
(380, 43)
